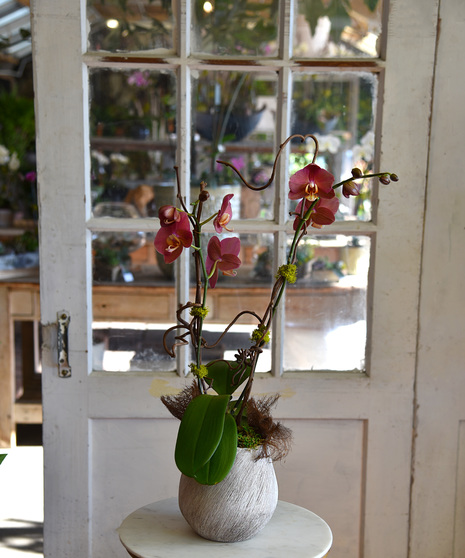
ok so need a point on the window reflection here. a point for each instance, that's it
(129, 346)
(337, 28)
(133, 140)
(235, 120)
(125, 345)
(130, 25)
(235, 28)
(326, 310)
(339, 109)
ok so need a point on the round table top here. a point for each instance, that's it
(159, 530)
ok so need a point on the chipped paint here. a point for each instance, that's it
(160, 387)
(284, 393)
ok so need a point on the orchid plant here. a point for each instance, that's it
(213, 421)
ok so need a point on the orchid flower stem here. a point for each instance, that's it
(248, 388)
(200, 261)
(353, 178)
(207, 220)
(297, 235)
(206, 277)
(211, 272)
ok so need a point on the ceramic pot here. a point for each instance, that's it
(238, 507)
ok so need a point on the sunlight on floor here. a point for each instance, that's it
(21, 502)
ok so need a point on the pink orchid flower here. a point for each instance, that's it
(323, 213)
(139, 79)
(169, 215)
(224, 254)
(224, 215)
(172, 238)
(311, 182)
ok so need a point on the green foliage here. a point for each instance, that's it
(236, 27)
(27, 242)
(247, 438)
(227, 376)
(216, 469)
(338, 12)
(200, 435)
(17, 123)
(106, 255)
(2, 456)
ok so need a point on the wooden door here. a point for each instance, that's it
(108, 440)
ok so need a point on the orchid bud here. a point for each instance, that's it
(168, 214)
(385, 179)
(357, 173)
(351, 189)
(394, 177)
(203, 196)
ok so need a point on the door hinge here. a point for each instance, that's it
(64, 369)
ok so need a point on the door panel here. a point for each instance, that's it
(328, 477)
(124, 450)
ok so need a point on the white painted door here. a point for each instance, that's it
(108, 440)
(438, 491)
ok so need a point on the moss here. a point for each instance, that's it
(248, 439)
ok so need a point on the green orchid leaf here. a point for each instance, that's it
(200, 432)
(2, 456)
(217, 468)
(226, 376)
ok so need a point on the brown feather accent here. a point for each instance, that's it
(177, 404)
(277, 438)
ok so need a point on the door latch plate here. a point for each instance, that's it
(64, 369)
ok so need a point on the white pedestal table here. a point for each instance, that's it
(158, 530)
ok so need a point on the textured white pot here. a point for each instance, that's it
(238, 507)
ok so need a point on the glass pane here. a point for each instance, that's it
(133, 140)
(235, 28)
(339, 109)
(129, 347)
(249, 290)
(234, 119)
(121, 345)
(337, 28)
(326, 309)
(130, 25)
(128, 257)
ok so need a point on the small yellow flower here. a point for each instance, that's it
(289, 272)
(199, 371)
(199, 312)
(257, 335)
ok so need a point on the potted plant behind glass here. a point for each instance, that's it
(17, 157)
(227, 108)
(226, 111)
(9, 165)
(239, 28)
(226, 442)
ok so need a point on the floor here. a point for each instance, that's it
(21, 503)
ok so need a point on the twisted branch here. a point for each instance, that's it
(278, 154)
